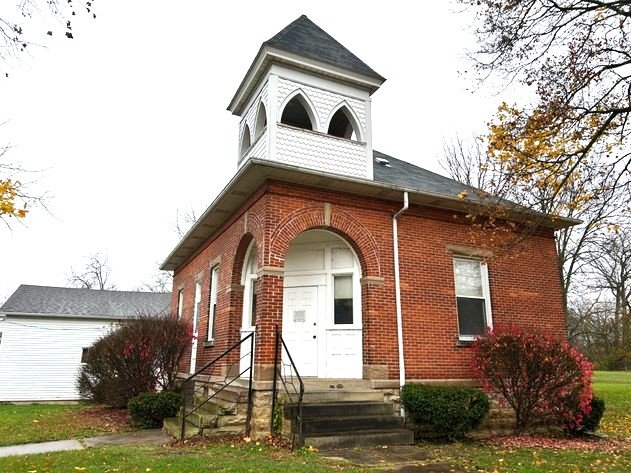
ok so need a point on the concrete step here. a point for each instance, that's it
(326, 425)
(231, 420)
(173, 426)
(357, 439)
(346, 409)
(354, 395)
(316, 384)
(226, 429)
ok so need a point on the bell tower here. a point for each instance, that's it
(305, 102)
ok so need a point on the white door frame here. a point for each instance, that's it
(327, 331)
(249, 278)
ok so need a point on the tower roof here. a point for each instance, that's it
(303, 44)
(304, 37)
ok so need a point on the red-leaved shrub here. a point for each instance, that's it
(541, 377)
(139, 355)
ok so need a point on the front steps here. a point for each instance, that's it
(225, 413)
(339, 418)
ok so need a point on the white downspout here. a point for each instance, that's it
(397, 286)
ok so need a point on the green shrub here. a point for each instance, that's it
(448, 411)
(592, 420)
(149, 409)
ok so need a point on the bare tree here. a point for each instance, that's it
(612, 273)
(15, 37)
(184, 219)
(94, 275)
(602, 203)
(575, 56)
(17, 196)
(162, 281)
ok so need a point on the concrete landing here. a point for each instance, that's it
(399, 458)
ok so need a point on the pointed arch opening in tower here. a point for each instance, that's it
(295, 113)
(246, 141)
(261, 121)
(343, 125)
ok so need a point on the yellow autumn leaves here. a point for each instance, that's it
(545, 150)
(9, 193)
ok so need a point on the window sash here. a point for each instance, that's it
(343, 300)
(473, 302)
(180, 303)
(212, 302)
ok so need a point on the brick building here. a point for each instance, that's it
(361, 260)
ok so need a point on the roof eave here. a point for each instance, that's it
(268, 55)
(255, 172)
(64, 316)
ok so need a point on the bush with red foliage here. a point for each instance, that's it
(139, 355)
(541, 377)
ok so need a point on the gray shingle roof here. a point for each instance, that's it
(404, 174)
(304, 37)
(85, 303)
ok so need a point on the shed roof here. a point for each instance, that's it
(84, 303)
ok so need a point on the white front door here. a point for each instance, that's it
(300, 328)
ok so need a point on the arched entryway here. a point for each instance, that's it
(248, 318)
(322, 319)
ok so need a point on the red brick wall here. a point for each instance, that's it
(525, 289)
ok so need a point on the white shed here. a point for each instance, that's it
(45, 330)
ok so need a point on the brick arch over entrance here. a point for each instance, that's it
(252, 230)
(334, 220)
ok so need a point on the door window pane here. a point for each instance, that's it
(343, 300)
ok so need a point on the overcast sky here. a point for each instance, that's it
(128, 121)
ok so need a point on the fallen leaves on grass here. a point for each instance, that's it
(556, 443)
(102, 419)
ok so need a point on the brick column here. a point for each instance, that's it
(269, 313)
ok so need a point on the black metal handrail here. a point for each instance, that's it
(188, 385)
(287, 382)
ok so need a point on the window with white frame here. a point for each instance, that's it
(180, 303)
(197, 307)
(472, 295)
(212, 302)
(342, 300)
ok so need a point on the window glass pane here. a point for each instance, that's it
(343, 300)
(84, 355)
(180, 303)
(471, 316)
(253, 305)
(468, 278)
(212, 301)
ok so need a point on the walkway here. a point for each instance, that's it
(142, 437)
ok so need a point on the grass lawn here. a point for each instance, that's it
(490, 456)
(613, 387)
(25, 423)
(215, 458)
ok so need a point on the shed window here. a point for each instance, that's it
(472, 295)
(295, 114)
(84, 354)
